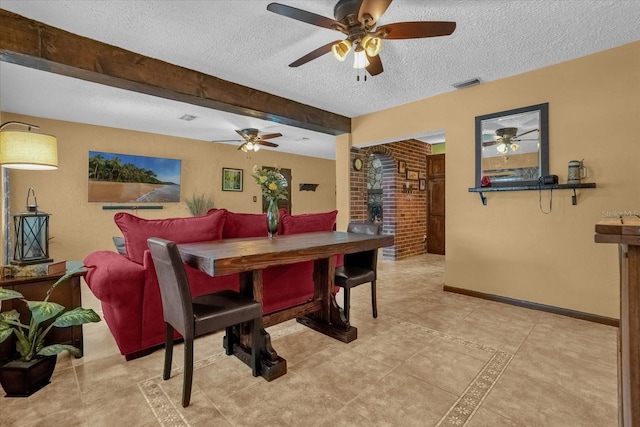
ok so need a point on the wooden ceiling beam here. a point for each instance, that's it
(33, 44)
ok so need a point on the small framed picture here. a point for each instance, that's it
(412, 175)
(423, 184)
(423, 175)
(231, 179)
(402, 166)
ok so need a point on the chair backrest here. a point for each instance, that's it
(177, 305)
(366, 259)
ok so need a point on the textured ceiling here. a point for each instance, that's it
(240, 41)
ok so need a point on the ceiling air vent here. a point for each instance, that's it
(467, 83)
(188, 117)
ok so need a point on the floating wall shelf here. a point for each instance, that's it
(574, 198)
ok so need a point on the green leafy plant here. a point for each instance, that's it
(199, 204)
(31, 337)
(272, 183)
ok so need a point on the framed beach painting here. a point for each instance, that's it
(231, 179)
(115, 177)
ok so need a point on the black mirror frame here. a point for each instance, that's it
(544, 141)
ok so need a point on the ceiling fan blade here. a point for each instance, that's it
(524, 133)
(242, 134)
(266, 143)
(416, 30)
(375, 65)
(373, 8)
(314, 54)
(270, 135)
(304, 16)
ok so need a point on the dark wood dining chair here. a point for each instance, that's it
(359, 268)
(196, 316)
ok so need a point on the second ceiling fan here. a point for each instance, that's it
(357, 20)
(253, 141)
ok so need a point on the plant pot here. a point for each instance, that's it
(22, 379)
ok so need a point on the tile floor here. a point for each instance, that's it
(431, 358)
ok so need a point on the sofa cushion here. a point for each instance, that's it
(306, 223)
(245, 224)
(137, 230)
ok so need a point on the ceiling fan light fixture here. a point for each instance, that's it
(502, 148)
(360, 59)
(244, 148)
(256, 147)
(514, 146)
(249, 145)
(371, 45)
(340, 50)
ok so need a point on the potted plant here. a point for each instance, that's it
(199, 204)
(32, 370)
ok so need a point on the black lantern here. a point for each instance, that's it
(31, 232)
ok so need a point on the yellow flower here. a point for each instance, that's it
(263, 178)
(273, 186)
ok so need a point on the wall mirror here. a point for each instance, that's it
(512, 147)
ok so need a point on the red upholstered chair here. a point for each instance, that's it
(359, 268)
(193, 317)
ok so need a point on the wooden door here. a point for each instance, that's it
(435, 204)
(281, 203)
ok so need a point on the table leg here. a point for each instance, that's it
(330, 320)
(272, 366)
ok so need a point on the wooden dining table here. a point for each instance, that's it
(250, 256)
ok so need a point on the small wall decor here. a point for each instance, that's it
(412, 175)
(126, 178)
(308, 187)
(423, 184)
(402, 166)
(423, 175)
(231, 179)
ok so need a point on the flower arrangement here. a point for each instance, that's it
(272, 183)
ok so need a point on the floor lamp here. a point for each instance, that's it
(20, 149)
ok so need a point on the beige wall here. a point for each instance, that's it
(79, 227)
(509, 247)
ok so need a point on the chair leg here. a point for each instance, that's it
(255, 346)
(188, 372)
(168, 351)
(346, 303)
(374, 304)
(230, 343)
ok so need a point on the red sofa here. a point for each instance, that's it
(127, 286)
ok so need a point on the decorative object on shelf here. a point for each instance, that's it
(274, 187)
(31, 234)
(357, 164)
(199, 204)
(577, 171)
(27, 150)
(512, 147)
(402, 167)
(423, 184)
(308, 187)
(17, 376)
(412, 175)
(34, 270)
(231, 179)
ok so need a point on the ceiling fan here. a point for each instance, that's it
(357, 20)
(253, 141)
(507, 138)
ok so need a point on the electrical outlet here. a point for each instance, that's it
(255, 199)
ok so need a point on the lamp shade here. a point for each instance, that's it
(360, 59)
(341, 49)
(28, 150)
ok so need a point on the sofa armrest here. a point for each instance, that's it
(113, 276)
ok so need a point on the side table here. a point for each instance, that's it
(625, 232)
(35, 289)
